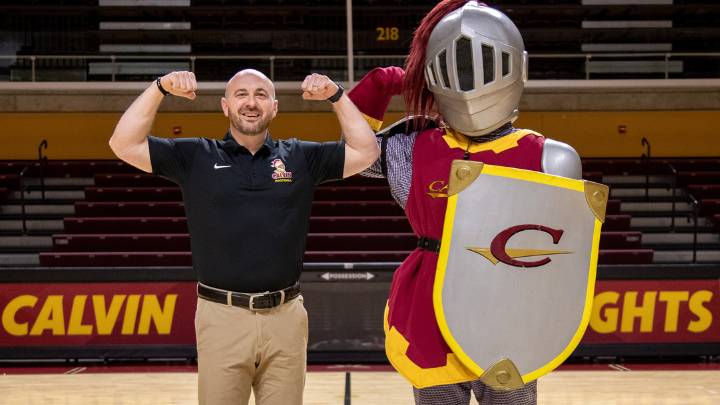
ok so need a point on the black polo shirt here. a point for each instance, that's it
(247, 214)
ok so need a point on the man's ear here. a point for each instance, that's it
(275, 108)
(224, 105)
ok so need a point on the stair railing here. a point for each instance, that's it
(695, 211)
(42, 162)
(646, 158)
(674, 188)
(23, 189)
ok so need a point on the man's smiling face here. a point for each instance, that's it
(249, 102)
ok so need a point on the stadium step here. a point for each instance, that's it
(59, 210)
(653, 192)
(686, 256)
(22, 244)
(635, 181)
(678, 238)
(680, 241)
(77, 182)
(65, 195)
(682, 223)
(33, 225)
(19, 259)
(652, 207)
(25, 241)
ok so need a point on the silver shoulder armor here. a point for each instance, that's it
(560, 159)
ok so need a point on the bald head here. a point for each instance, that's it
(237, 80)
(250, 103)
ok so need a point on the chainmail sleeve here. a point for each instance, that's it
(398, 157)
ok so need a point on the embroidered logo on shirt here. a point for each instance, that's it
(280, 175)
(217, 166)
(437, 189)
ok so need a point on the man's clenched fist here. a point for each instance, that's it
(318, 87)
(182, 84)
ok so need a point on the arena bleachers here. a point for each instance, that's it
(207, 28)
(105, 213)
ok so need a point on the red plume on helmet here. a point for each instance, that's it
(418, 99)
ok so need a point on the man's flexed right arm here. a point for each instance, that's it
(129, 141)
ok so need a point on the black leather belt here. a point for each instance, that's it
(264, 300)
(429, 244)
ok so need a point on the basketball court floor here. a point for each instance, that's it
(76, 384)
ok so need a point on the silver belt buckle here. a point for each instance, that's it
(251, 302)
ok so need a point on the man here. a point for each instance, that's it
(477, 94)
(245, 196)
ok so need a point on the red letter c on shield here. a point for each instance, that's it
(497, 247)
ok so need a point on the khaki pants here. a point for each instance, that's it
(240, 350)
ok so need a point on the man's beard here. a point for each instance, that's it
(256, 128)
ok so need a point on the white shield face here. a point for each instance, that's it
(517, 267)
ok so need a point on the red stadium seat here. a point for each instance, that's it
(656, 166)
(699, 177)
(114, 259)
(625, 166)
(120, 225)
(139, 259)
(361, 241)
(366, 256)
(67, 168)
(376, 224)
(685, 164)
(356, 208)
(168, 208)
(131, 218)
(353, 193)
(133, 194)
(613, 207)
(121, 243)
(616, 223)
(620, 240)
(131, 180)
(701, 191)
(86, 168)
(133, 259)
(129, 209)
(13, 167)
(73, 225)
(593, 176)
(358, 181)
(710, 206)
(10, 181)
(181, 242)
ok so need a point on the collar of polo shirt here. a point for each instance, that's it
(230, 145)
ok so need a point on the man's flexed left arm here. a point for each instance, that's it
(361, 148)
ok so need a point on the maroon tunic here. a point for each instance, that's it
(414, 343)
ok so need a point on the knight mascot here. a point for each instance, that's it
(498, 291)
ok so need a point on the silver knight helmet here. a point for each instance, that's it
(476, 68)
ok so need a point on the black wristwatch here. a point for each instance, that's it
(160, 87)
(335, 97)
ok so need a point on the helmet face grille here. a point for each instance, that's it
(431, 74)
(505, 64)
(444, 69)
(464, 63)
(488, 59)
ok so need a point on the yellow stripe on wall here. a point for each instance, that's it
(593, 134)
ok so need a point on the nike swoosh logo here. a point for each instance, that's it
(219, 167)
